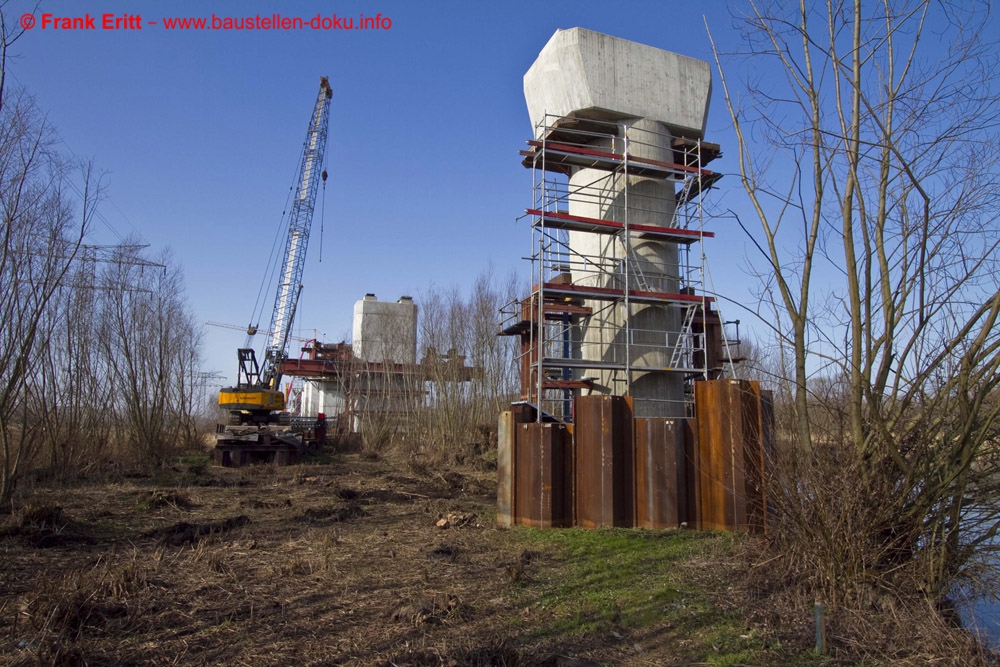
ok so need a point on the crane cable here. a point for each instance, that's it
(322, 215)
(271, 267)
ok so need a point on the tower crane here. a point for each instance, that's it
(257, 398)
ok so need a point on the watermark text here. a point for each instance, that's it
(256, 22)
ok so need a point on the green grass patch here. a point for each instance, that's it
(608, 580)
(616, 577)
(200, 459)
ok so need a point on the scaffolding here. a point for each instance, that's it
(618, 277)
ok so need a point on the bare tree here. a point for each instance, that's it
(76, 427)
(471, 371)
(42, 229)
(84, 352)
(40, 236)
(867, 148)
(149, 345)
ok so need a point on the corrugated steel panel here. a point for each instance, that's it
(603, 462)
(691, 506)
(610, 470)
(733, 432)
(506, 465)
(660, 483)
(758, 450)
(543, 494)
(723, 505)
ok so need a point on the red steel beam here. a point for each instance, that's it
(615, 227)
(611, 293)
(590, 152)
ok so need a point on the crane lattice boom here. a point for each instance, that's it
(257, 398)
(297, 241)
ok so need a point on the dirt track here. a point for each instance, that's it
(322, 564)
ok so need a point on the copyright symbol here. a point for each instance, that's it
(27, 21)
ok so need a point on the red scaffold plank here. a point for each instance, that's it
(610, 293)
(580, 223)
(567, 384)
(617, 157)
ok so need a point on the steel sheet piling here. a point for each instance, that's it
(660, 485)
(732, 432)
(609, 469)
(543, 492)
(603, 462)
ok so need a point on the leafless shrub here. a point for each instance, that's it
(867, 151)
(98, 351)
(458, 419)
(876, 218)
(773, 592)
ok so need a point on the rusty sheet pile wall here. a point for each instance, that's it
(734, 436)
(604, 462)
(661, 488)
(610, 469)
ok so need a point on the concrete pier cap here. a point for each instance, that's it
(588, 74)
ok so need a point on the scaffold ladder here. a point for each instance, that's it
(634, 266)
(685, 339)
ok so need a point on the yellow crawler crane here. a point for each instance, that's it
(257, 400)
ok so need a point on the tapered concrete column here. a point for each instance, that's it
(652, 266)
(652, 95)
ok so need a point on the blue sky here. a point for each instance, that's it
(199, 133)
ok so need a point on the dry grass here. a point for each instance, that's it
(778, 602)
(328, 564)
(362, 562)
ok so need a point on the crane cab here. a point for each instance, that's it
(251, 401)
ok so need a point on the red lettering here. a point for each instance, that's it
(124, 22)
(273, 21)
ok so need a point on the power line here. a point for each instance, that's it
(74, 187)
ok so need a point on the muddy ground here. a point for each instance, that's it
(354, 562)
